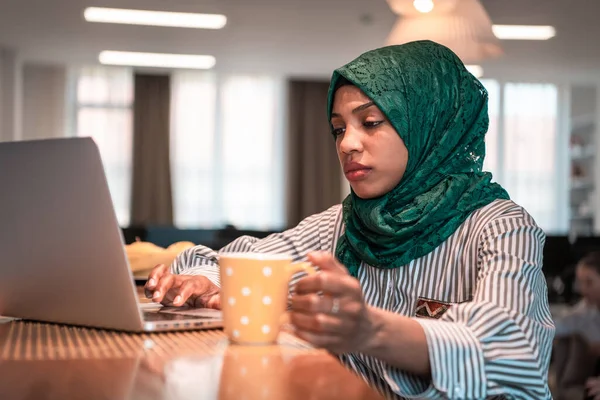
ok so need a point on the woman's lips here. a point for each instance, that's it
(355, 171)
(357, 174)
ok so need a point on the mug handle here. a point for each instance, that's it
(293, 268)
(303, 266)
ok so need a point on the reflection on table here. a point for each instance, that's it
(47, 361)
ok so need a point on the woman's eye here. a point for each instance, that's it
(338, 131)
(371, 124)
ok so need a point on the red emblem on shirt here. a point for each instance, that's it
(431, 308)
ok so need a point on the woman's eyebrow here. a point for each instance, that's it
(357, 109)
(363, 107)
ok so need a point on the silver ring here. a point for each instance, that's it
(335, 305)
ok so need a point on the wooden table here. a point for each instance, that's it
(48, 361)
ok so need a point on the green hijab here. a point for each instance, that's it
(440, 111)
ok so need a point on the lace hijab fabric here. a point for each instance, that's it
(440, 111)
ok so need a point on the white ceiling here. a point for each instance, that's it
(292, 37)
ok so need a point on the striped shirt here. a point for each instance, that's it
(493, 339)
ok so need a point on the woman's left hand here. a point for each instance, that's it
(328, 308)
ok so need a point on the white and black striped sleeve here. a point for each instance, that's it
(498, 344)
(313, 233)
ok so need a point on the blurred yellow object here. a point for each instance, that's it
(143, 256)
(180, 246)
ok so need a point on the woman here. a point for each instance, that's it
(584, 318)
(577, 348)
(432, 276)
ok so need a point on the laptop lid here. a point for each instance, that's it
(61, 251)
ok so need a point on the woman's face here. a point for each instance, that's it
(588, 280)
(372, 155)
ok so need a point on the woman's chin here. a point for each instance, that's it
(366, 192)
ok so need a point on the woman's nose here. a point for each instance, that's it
(351, 141)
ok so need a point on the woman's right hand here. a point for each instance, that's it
(178, 290)
(592, 387)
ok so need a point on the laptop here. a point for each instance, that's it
(62, 256)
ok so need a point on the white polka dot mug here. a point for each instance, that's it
(254, 292)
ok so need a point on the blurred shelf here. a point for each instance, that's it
(582, 122)
(585, 154)
(583, 218)
(584, 144)
(583, 184)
